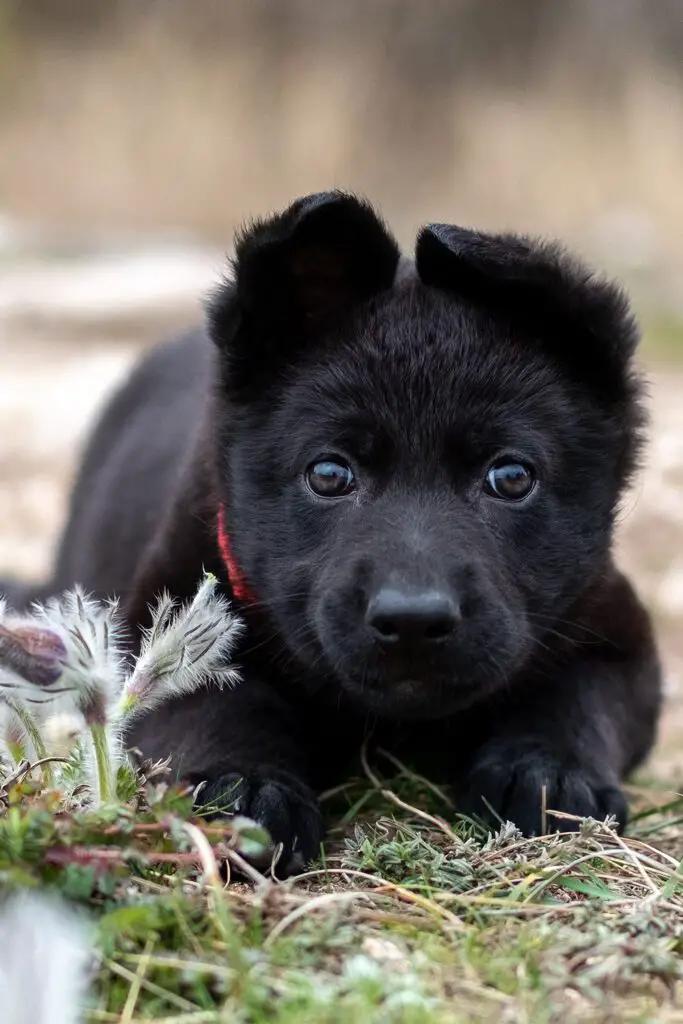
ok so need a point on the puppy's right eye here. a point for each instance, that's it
(330, 478)
(509, 481)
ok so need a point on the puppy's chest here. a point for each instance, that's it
(337, 740)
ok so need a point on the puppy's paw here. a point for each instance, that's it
(281, 803)
(507, 781)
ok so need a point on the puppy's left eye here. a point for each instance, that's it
(509, 481)
(330, 478)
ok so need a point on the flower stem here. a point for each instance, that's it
(104, 762)
(31, 729)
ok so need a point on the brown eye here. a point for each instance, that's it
(330, 478)
(509, 481)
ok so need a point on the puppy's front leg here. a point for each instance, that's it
(243, 746)
(564, 752)
(565, 742)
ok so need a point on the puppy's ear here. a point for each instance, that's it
(294, 275)
(580, 319)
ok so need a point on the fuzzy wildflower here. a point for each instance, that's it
(66, 658)
(93, 664)
(185, 647)
(32, 658)
(93, 674)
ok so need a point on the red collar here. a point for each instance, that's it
(240, 588)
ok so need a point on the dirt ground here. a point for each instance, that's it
(51, 385)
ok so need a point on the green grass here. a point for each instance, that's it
(413, 915)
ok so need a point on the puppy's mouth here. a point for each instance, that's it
(406, 696)
(404, 693)
(408, 687)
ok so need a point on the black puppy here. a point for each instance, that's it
(406, 473)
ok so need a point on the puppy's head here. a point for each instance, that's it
(420, 461)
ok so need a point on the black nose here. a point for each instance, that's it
(411, 616)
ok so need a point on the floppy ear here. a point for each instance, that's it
(294, 275)
(579, 319)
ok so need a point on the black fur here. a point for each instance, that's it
(547, 675)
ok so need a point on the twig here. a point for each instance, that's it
(383, 886)
(246, 868)
(177, 963)
(136, 984)
(328, 794)
(152, 828)
(48, 760)
(305, 908)
(17, 775)
(105, 855)
(653, 849)
(388, 794)
(544, 809)
(156, 990)
(207, 857)
(636, 861)
(25, 767)
(410, 774)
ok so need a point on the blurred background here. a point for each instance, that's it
(134, 137)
